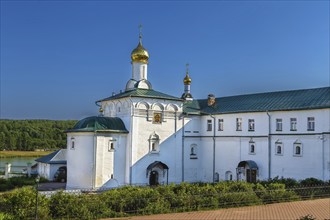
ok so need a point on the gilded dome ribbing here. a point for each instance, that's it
(140, 54)
(187, 80)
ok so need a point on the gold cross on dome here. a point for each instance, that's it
(187, 67)
(140, 31)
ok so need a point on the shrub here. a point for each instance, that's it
(236, 194)
(288, 182)
(21, 204)
(5, 216)
(276, 192)
(64, 205)
(311, 182)
(17, 182)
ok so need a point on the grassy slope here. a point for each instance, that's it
(4, 154)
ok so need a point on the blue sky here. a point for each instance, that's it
(59, 57)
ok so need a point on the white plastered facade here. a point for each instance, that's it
(188, 150)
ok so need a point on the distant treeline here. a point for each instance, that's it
(29, 135)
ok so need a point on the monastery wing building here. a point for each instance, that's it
(146, 137)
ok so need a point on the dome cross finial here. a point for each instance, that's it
(140, 33)
(187, 79)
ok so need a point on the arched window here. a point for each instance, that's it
(278, 147)
(154, 143)
(297, 148)
(252, 147)
(111, 146)
(193, 151)
(72, 147)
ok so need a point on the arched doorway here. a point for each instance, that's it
(156, 171)
(247, 170)
(153, 179)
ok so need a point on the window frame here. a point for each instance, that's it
(279, 124)
(111, 146)
(220, 124)
(239, 124)
(293, 124)
(209, 125)
(310, 123)
(295, 146)
(193, 152)
(251, 125)
(252, 145)
(154, 142)
(73, 145)
(279, 144)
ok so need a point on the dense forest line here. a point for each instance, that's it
(29, 135)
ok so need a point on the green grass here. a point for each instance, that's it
(6, 154)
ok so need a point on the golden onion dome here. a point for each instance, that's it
(187, 80)
(140, 54)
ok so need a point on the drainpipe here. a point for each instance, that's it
(182, 153)
(213, 164)
(269, 146)
(94, 160)
(129, 148)
(323, 155)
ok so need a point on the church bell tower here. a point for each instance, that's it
(139, 60)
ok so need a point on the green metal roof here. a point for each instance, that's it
(269, 101)
(145, 93)
(100, 123)
(191, 107)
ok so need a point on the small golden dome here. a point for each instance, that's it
(187, 80)
(140, 54)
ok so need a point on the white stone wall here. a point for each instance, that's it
(233, 146)
(80, 161)
(44, 170)
(170, 139)
(110, 163)
(129, 161)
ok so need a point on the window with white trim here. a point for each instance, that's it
(297, 148)
(293, 124)
(154, 143)
(310, 124)
(279, 148)
(220, 124)
(111, 146)
(238, 124)
(252, 147)
(278, 124)
(209, 125)
(251, 124)
(193, 151)
(72, 147)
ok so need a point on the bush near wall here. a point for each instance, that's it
(132, 200)
(17, 182)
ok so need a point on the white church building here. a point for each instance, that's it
(146, 137)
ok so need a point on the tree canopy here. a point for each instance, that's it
(28, 135)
